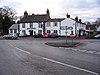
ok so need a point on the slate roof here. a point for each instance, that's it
(14, 26)
(56, 20)
(35, 18)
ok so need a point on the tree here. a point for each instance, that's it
(10, 12)
(6, 24)
(6, 19)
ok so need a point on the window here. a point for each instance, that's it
(48, 24)
(11, 31)
(23, 25)
(31, 25)
(55, 23)
(55, 31)
(40, 31)
(48, 31)
(63, 28)
(15, 31)
(40, 25)
(23, 31)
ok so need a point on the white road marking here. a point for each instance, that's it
(98, 53)
(82, 50)
(90, 51)
(61, 47)
(74, 49)
(20, 49)
(57, 62)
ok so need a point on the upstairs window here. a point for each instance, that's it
(55, 24)
(23, 25)
(48, 24)
(31, 25)
(40, 25)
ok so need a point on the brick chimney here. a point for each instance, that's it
(68, 16)
(80, 20)
(76, 18)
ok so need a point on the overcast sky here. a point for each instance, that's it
(87, 10)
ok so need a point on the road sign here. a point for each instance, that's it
(69, 28)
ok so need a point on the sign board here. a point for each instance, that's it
(69, 28)
(66, 27)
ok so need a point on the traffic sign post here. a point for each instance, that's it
(68, 28)
(72, 37)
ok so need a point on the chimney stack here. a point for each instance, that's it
(68, 16)
(80, 20)
(76, 18)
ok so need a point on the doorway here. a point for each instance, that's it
(31, 32)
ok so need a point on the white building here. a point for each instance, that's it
(32, 24)
(72, 26)
(13, 29)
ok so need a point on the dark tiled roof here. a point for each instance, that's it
(78, 21)
(34, 18)
(14, 26)
(56, 20)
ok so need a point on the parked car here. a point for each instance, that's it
(10, 36)
(23, 35)
(37, 35)
(97, 36)
(54, 35)
(46, 35)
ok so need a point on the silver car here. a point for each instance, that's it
(10, 36)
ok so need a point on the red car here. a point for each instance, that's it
(45, 35)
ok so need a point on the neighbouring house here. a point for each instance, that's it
(42, 23)
(72, 26)
(98, 29)
(13, 29)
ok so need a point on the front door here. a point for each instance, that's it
(31, 32)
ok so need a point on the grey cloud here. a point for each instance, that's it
(79, 4)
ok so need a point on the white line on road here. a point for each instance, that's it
(98, 53)
(20, 49)
(57, 62)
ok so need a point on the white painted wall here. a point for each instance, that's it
(27, 28)
(71, 23)
(67, 22)
(52, 27)
(12, 32)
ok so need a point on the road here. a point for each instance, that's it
(33, 57)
